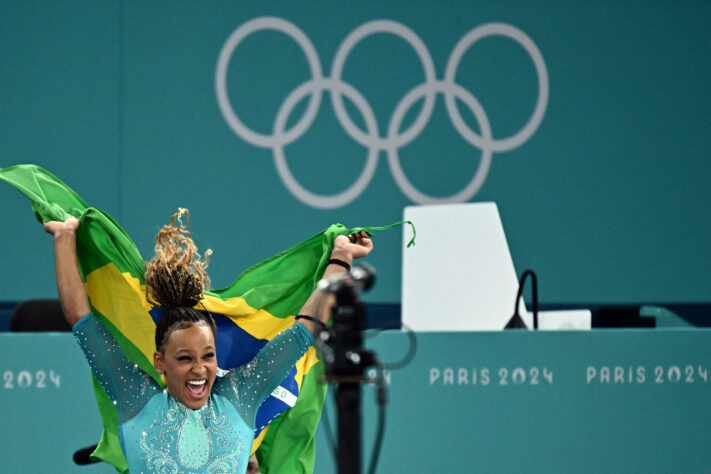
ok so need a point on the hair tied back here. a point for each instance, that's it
(176, 276)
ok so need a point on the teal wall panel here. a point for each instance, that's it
(606, 200)
(50, 407)
(59, 108)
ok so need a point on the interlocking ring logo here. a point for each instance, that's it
(370, 138)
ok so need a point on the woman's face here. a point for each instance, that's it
(189, 363)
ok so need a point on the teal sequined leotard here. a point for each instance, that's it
(160, 434)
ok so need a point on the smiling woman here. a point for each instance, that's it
(188, 361)
(197, 423)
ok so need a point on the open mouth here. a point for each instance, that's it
(197, 388)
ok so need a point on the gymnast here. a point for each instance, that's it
(196, 424)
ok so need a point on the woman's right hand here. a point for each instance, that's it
(57, 228)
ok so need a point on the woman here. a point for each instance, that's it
(197, 424)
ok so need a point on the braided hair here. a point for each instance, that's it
(176, 277)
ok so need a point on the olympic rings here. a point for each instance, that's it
(371, 138)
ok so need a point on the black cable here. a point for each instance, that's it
(379, 440)
(534, 290)
(411, 350)
(329, 433)
(380, 431)
(516, 322)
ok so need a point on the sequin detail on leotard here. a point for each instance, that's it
(184, 440)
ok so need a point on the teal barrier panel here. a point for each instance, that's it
(598, 401)
(49, 408)
(584, 402)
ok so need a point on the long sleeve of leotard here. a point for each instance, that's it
(125, 383)
(247, 386)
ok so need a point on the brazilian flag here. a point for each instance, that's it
(257, 306)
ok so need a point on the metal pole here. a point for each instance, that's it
(348, 325)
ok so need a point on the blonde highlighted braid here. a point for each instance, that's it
(176, 277)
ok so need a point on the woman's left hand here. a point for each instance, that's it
(354, 246)
(345, 248)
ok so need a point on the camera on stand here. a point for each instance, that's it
(347, 360)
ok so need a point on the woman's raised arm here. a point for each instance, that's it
(345, 250)
(70, 286)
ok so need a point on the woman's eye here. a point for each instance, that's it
(182, 358)
(209, 355)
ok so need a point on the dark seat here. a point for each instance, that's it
(38, 315)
